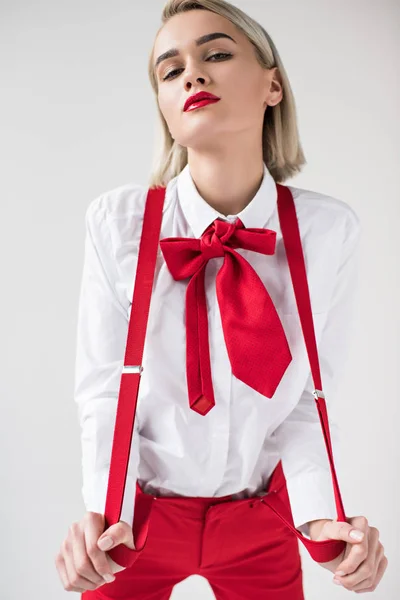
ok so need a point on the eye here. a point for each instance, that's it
(223, 54)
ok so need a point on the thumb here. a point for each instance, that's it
(341, 530)
(119, 533)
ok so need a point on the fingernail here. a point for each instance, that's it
(336, 581)
(108, 578)
(105, 543)
(356, 534)
(340, 573)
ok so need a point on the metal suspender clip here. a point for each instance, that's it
(132, 369)
(318, 394)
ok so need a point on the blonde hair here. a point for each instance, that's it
(282, 151)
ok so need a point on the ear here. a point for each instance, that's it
(274, 87)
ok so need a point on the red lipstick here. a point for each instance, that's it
(199, 99)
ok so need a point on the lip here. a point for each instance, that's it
(203, 97)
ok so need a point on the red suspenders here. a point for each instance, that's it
(321, 551)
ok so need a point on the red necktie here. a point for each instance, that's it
(255, 339)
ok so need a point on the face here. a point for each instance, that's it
(224, 67)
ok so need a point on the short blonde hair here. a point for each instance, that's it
(282, 151)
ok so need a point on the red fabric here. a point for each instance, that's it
(277, 500)
(255, 339)
(243, 550)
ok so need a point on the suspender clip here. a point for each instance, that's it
(132, 369)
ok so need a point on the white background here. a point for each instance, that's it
(77, 118)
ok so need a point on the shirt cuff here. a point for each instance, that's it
(94, 494)
(311, 497)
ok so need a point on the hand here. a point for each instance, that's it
(362, 563)
(81, 563)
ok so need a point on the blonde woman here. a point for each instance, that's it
(207, 464)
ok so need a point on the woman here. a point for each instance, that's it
(206, 460)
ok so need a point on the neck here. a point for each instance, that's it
(228, 180)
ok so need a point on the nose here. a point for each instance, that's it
(198, 80)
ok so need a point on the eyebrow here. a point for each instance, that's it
(201, 40)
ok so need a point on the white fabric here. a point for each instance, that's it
(235, 447)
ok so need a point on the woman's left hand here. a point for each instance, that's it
(362, 562)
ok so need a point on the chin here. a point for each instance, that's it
(198, 133)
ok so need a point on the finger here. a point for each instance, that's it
(359, 551)
(82, 561)
(118, 533)
(360, 575)
(365, 575)
(341, 530)
(74, 579)
(379, 574)
(98, 557)
(69, 582)
(62, 573)
(366, 570)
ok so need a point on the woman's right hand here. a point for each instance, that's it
(80, 563)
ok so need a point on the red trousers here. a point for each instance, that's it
(240, 546)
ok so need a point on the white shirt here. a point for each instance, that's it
(235, 447)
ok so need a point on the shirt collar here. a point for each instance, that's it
(199, 214)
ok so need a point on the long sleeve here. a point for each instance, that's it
(299, 437)
(102, 329)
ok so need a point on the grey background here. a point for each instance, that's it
(77, 118)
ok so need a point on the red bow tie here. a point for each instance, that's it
(255, 339)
